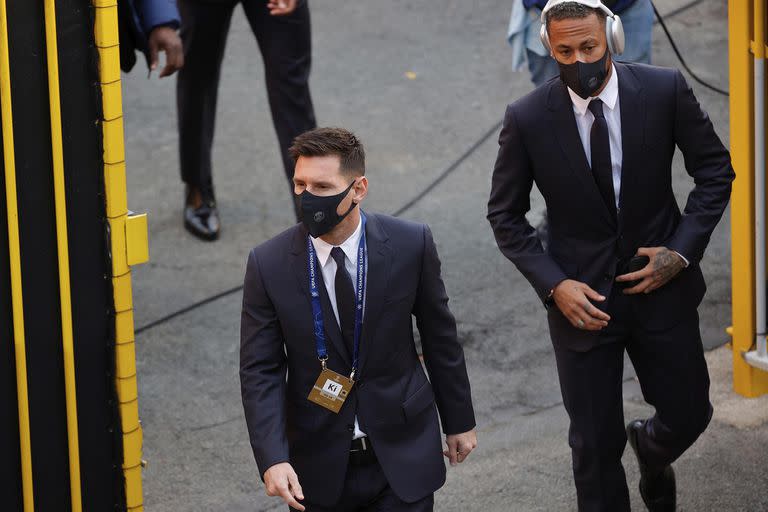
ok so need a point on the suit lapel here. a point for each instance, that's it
(632, 104)
(379, 263)
(299, 261)
(301, 271)
(567, 133)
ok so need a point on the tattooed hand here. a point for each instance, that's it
(664, 265)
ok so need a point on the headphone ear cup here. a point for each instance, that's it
(545, 38)
(615, 35)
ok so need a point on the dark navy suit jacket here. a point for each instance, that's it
(393, 399)
(539, 143)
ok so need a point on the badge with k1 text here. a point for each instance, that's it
(330, 390)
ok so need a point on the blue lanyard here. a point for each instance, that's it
(317, 310)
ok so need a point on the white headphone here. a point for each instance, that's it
(614, 30)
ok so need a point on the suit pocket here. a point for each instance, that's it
(419, 401)
(394, 301)
(669, 305)
(303, 415)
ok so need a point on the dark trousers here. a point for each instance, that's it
(366, 490)
(674, 379)
(285, 45)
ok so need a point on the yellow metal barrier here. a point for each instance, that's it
(745, 19)
(25, 442)
(128, 244)
(66, 477)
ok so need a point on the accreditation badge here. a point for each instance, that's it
(330, 390)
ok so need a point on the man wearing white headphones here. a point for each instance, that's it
(523, 36)
(621, 269)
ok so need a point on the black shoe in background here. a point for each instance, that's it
(657, 487)
(201, 217)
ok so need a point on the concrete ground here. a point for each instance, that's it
(420, 84)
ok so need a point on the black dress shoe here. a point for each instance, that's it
(657, 487)
(202, 220)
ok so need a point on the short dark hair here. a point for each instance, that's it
(569, 10)
(332, 141)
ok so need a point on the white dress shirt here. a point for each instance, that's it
(328, 267)
(611, 110)
(584, 118)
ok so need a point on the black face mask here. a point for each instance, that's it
(318, 213)
(584, 78)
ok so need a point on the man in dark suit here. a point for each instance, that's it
(333, 297)
(282, 30)
(598, 142)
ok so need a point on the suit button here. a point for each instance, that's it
(351, 428)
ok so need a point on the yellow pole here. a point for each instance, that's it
(758, 16)
(65, 295)
(122, 229)
(747, 381)
(25, 443)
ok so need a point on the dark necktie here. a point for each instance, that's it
(345, 299)
(602, 169)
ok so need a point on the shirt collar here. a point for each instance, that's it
(349, 246)
(609, 95)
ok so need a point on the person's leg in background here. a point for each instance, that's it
(204, 29)
(542, 68)
(286, 47)
(540, 63)
(637, 20)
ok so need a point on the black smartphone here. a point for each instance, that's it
(636, 263)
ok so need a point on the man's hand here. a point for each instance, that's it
(573, 299)
(281, 7)
(281, 480)
(167, 40)
(460, 446)
(664, 265)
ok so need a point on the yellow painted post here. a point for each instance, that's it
(19, 342)
(128, 242)
(747, 381)
(742, 197)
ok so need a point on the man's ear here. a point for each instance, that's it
(361, 187)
